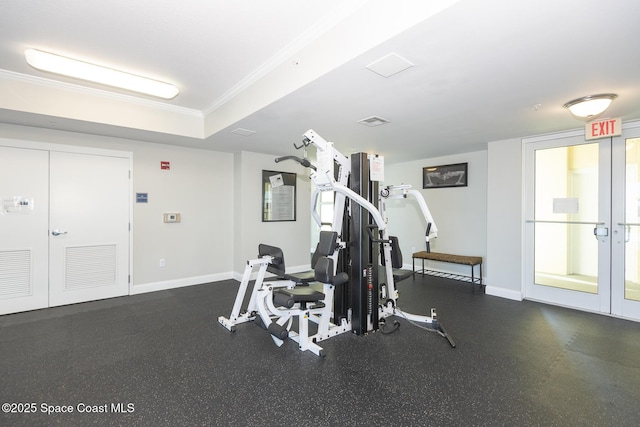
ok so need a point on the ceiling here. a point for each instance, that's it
(481, 71)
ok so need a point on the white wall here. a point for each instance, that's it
(291, 236)
(219, 196)
(504, 218)
(460, 213)
(199, 186)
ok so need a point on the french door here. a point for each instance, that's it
(64, 225)
(582, 231)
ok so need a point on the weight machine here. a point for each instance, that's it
(350, 299)
(276, 303)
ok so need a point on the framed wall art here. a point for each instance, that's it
(454, 175)
(278, 196)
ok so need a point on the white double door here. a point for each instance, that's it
(64, 222)
(582, 231)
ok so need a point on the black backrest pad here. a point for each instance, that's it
(277, 266)
(324, 270)
(396, 255)
(326, 246)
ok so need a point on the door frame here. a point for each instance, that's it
(620, 307)
(528, 188)
(46, 146)
(599, 302)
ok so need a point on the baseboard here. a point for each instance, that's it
(504, 293)
(179, 283)
(198, 280)
(297, 269)
(489, 290)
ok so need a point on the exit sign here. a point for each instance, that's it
(603, 128)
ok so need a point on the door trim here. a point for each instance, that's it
(525, 221)
(599, 302)
(47, 146)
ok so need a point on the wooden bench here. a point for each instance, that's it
(454, 259)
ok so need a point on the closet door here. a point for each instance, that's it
(24, 216)
(89, 227)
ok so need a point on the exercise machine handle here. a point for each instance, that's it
(304, 162)
(370, 228)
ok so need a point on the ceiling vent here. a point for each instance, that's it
(389, 65)
(373, 121)
(243, 132)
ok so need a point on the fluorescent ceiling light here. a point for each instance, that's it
(94, 73)
(590, 107)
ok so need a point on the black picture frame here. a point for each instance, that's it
(443, 176)
(279, 194)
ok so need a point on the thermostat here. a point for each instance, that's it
(171, 217)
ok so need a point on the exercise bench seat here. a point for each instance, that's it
(453, 259)
(287, 297)
(327, 244)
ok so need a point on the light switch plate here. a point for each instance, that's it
(171, 217)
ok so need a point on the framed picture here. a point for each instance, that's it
(445, 176)
(278, 196)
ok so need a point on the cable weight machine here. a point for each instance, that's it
(350, 299)
(359, 218)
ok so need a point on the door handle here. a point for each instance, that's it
(627, 227)
(600, 231)
(58, 232)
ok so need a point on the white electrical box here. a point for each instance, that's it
(171, 217)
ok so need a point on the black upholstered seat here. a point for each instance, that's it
(326, 246)
(396, 261)
(302, 294)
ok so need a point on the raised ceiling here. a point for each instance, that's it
(479, 71)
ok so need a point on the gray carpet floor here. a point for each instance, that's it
(161, 359)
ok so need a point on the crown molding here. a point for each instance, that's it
(295, 46)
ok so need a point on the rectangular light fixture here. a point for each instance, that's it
(94, 73)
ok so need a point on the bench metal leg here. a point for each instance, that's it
(473, 281)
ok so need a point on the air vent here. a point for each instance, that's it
(373, 121)
(90, 266)
(15, 273)
(243, 132)
(389, 65)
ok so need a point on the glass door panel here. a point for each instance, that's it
(625, 256)
(566, 204)
(561, 263)
(632, 220)
(568, 247)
